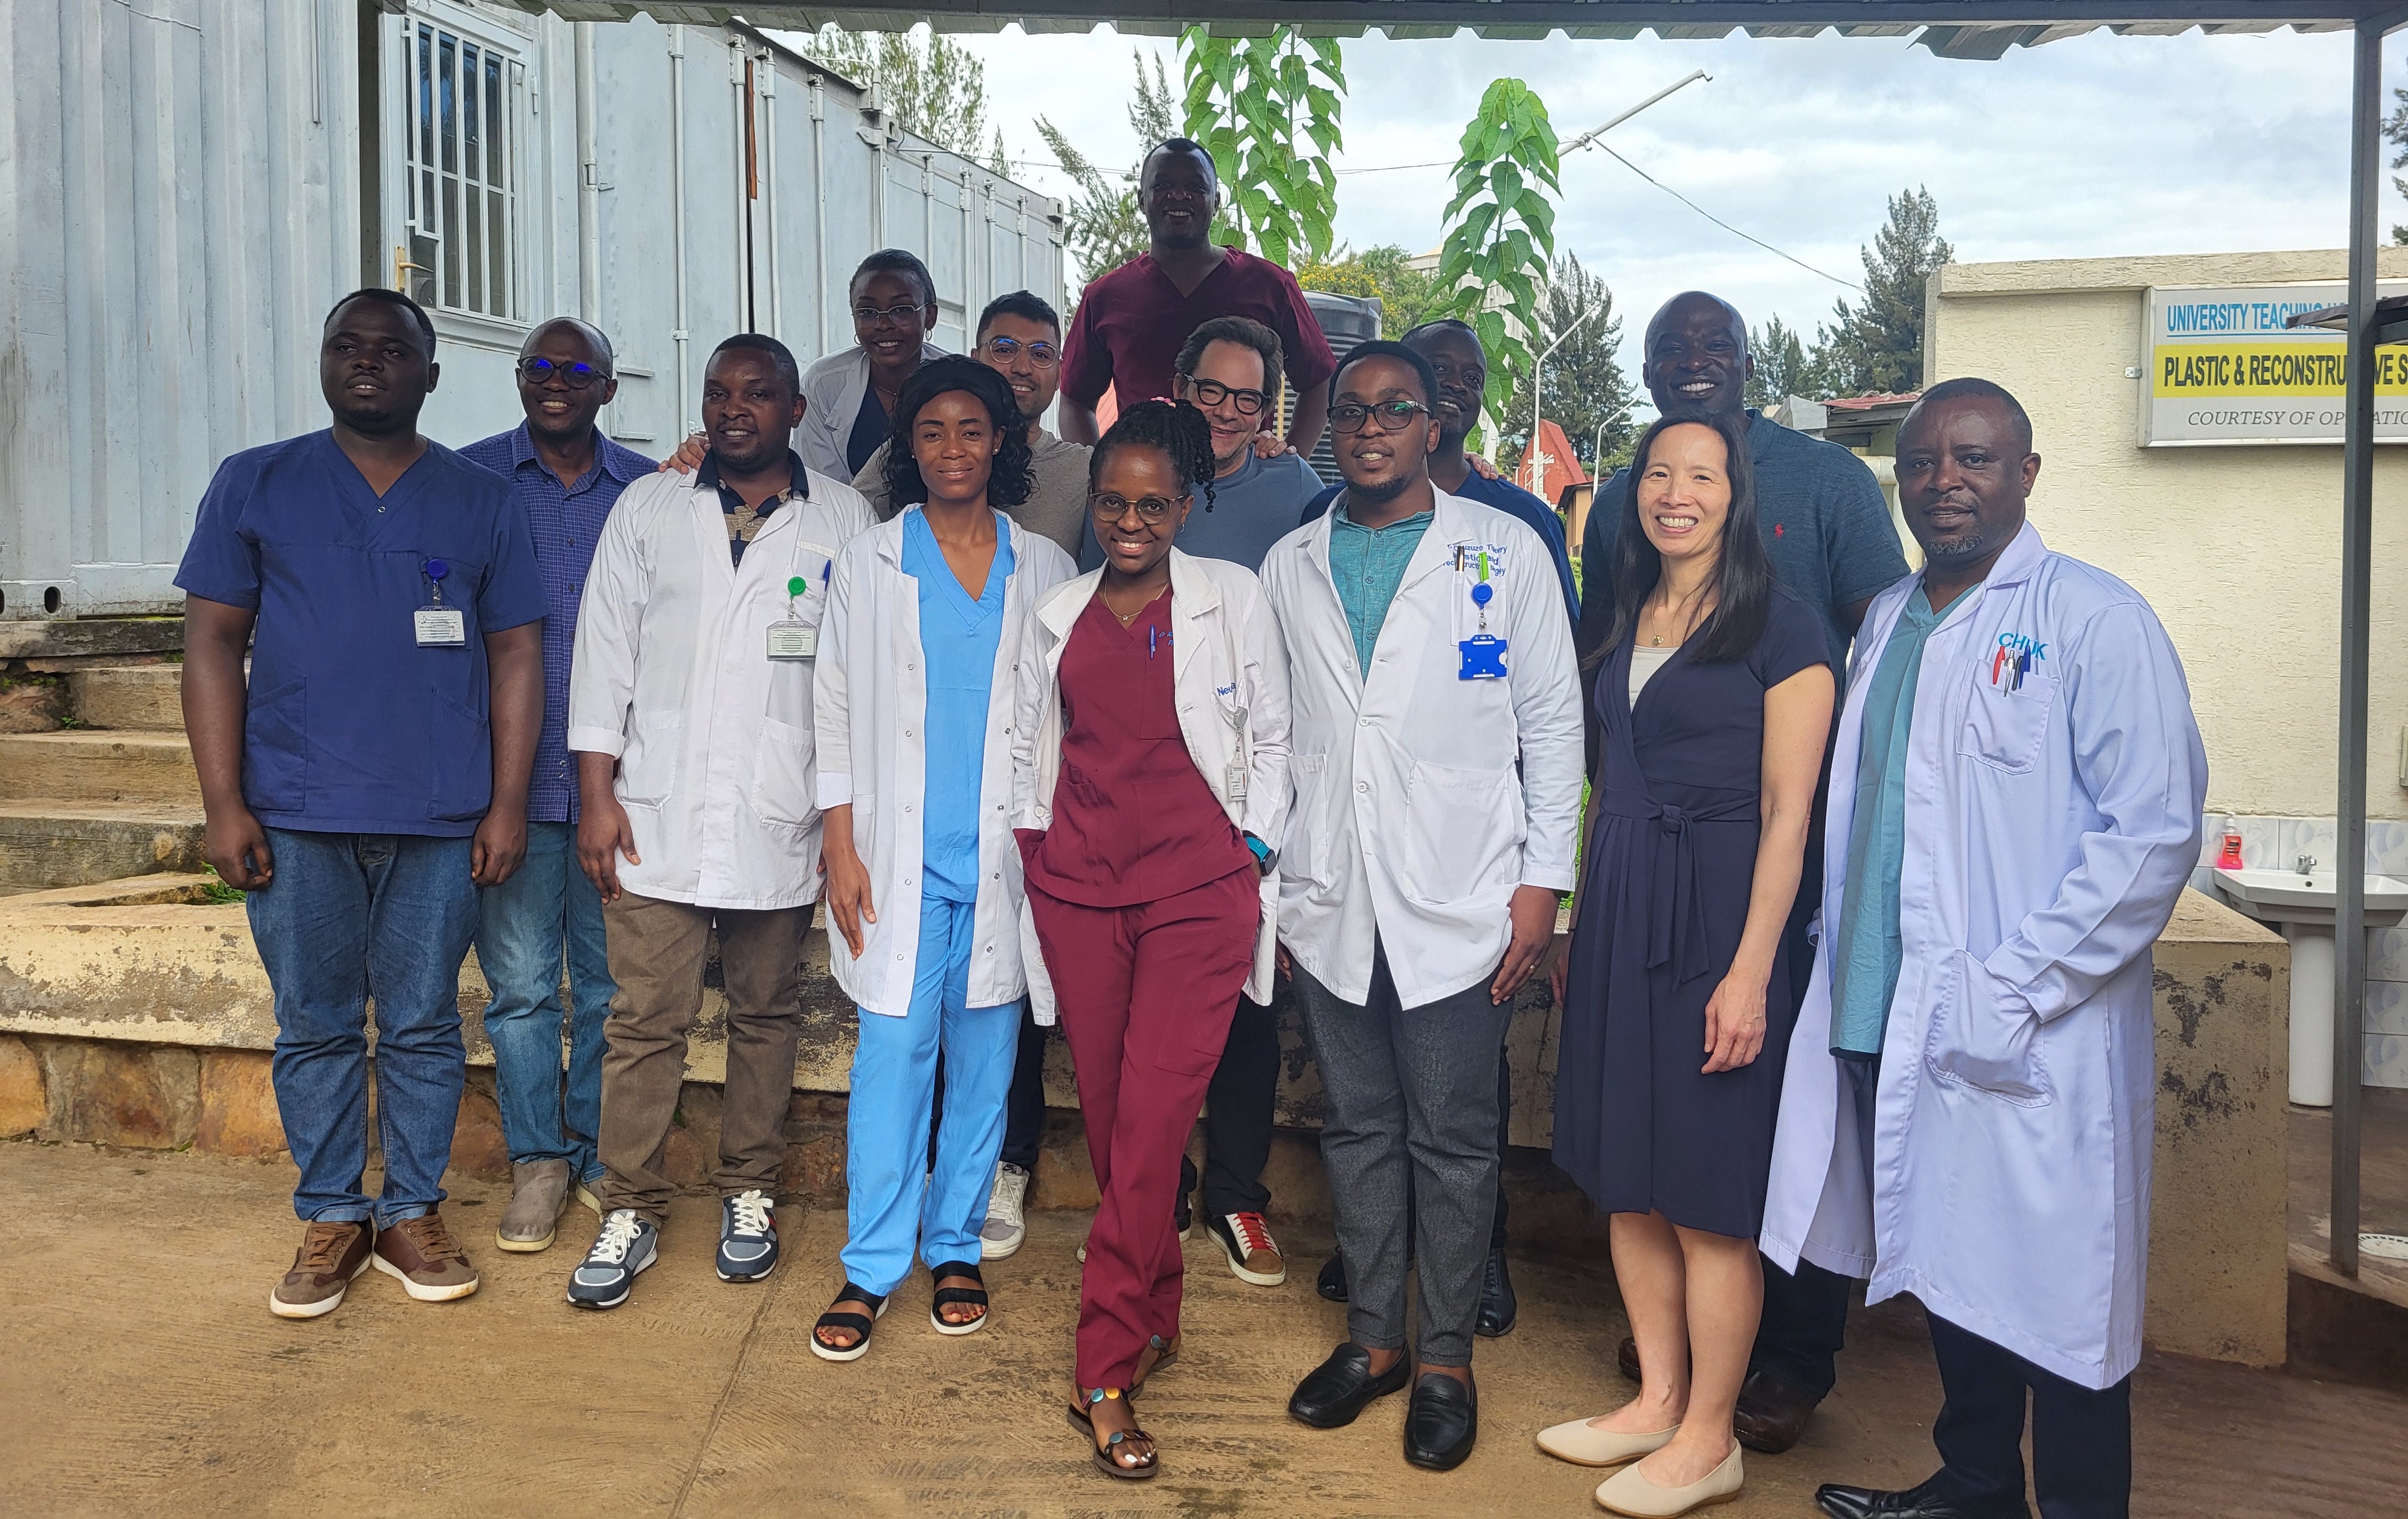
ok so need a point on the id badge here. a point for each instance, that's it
(441, 627)
(794, 641)
(1237, 778)
(1483, 658)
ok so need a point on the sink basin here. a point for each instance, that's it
(2289, 897)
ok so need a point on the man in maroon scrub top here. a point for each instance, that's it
(1131, 322)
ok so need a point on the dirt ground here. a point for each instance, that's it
(143, 1375)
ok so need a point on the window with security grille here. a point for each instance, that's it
(463, 99)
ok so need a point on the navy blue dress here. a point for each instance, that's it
(1667, 873)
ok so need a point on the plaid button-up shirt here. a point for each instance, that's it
(567, 523)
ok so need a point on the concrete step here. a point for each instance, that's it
(71, 638)
(145, 697)
(49, 844)
(83, 765)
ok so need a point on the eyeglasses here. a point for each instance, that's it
(1152, 510)
(1002, 351)
(897, 316)
(1393, 416)
(1212, 393)
(578, 377)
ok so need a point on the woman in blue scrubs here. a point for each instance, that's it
(923, 881)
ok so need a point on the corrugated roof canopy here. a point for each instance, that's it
(1972, 29)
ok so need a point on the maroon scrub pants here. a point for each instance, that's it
(1145, 994)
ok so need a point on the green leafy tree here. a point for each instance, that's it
(935, 86)
(1408, 296)
(1266, 109)
(1103, 225)
(1500, 230)
(2395, 131)
(1783, 368)
(1587, 394)
(1877, 344)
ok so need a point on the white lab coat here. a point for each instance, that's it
(833, 386)
(1419, 764)
(2049, 830)
(1230, 680)
(871, 711)
(672, 676)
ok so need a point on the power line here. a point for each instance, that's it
(1724, 225)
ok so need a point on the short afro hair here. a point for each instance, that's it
(424, 323)
(1385, 349)
(759, 342)
(1971, 388)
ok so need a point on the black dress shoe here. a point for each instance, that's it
(1342, 1387)
(1332, 1284)
(1771, 1414)
(1499, 1307)
(1443, 1423)
(1922, 1501)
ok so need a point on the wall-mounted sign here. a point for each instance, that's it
(2220, 367)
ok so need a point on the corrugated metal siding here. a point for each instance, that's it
(178, 190)
(180, 200)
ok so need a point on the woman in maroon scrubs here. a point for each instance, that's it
(1154, 711)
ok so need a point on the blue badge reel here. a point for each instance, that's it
(1482, 652)
(438, 627)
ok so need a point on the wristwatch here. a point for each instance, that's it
(1266, 857)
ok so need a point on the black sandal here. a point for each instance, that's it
(858, 1323)
(947, 1296)
(1165, 1352)
(1107, 1456)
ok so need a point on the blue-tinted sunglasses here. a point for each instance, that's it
(577, 375)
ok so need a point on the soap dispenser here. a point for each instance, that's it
(2228, 859)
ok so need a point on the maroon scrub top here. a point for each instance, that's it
(1133, 819)
(1132, 322)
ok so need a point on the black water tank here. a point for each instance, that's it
(1346, 321)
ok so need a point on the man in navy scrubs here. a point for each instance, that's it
(367, 776)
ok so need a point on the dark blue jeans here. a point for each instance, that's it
(351, 917)
(546, 911)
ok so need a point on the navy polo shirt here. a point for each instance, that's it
(1514, 502)
(351, 727)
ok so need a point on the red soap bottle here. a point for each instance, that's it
(2230, 858)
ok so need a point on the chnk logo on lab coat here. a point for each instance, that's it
(2016, 654)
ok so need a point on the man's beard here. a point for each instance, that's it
(1956, 551)
(1380, 495)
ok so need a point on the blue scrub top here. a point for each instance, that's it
(960, 638)
(351, 727)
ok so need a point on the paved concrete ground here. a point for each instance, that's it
(143, 1375)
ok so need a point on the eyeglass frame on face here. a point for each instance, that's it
(1231, 393)
(890, 316)
(1043, 355)
(1397, 421)
(1098, 510)
(576, 377)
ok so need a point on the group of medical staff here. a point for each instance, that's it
(1900, 1034)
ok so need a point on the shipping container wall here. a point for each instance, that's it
(179, 205)
(182, 194)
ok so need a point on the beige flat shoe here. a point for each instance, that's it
(1584, 1445)
(1629, 1491)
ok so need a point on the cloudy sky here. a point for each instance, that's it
(2099, 145)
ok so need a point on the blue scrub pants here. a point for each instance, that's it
(349, 917)
(893, 1194)
(545, 913)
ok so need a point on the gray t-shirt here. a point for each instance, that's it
(1253, 508)
(1056, 506)
(1825, 522)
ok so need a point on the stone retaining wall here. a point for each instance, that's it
(146, 1024)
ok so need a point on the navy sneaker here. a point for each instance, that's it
(748, 1237)
(626, 1246)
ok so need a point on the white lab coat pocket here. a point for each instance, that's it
(1462, 832)
(648, 768)
(1306, 851)
(785, 781)
(2005, 728)
(1985, 1038)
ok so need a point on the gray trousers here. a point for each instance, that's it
(1412, 1096)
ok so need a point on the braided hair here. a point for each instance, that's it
(1175, 427)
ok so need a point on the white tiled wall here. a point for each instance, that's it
(2277, 843)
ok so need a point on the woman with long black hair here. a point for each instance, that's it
(1714, 695)
(1152, 767)
(913, 710)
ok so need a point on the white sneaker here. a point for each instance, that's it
(1005, 1230)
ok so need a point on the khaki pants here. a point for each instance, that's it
(657, 951)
